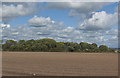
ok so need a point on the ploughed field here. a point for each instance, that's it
(59, 64)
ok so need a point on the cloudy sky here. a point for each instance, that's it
(92, 22)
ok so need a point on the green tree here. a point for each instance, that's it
(103, 48)
(50, 45)
(9, 45)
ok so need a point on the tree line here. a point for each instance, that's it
(50, 45)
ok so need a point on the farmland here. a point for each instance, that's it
(59, 64)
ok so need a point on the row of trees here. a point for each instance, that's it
(50, 45)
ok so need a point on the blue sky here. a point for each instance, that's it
(59, 15)
(81, 21)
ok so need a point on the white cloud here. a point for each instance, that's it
(11, 11)
(98, 21)
(54, 30)
(77, 8)
(68, 29)
(5, 26)
(112, 32)
(0, 11)
(40, 21)
(58, 32)
(60, 1)
(114, 37)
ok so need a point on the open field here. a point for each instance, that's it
(59, 64)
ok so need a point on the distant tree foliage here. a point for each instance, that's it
(50, 45)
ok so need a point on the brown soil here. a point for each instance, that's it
(59, 64)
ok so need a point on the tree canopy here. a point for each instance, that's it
(50, 45)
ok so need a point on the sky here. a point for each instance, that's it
(92, 22)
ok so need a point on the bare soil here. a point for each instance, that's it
(59, 64)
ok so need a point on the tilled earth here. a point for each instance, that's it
(59, 64)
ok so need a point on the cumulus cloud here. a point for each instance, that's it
(66, 34)
(112, 32)
(64, 1)
(40, 21)
(99, 21)
(0, 11)
(77, 8)
(58, 32)
(54, 30)
(5, 26)
(12, 10)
